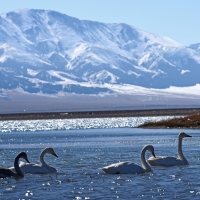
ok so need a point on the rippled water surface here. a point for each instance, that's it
(81, 152)
(74, 124)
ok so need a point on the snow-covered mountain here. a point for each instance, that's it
(43, 51)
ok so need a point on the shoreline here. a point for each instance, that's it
(99, 114)
(190, 121)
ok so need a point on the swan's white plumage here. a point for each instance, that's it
(170, 160)
(129, 167)
(123, 168)
(36, 168)
(41, 168)
(165, 161)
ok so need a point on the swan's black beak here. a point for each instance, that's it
(153, 154)
(186, 135)
(54, 154)
(27, 160)
(25, 157)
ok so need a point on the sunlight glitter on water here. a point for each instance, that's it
(74, 124)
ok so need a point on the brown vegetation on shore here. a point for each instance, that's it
(191, 121)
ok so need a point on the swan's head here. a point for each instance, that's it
(24, 156)
(151, 149)
(51, 151)
(182, 135)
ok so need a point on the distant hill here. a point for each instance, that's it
(49, 52)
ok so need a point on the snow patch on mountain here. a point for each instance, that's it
(32, 72)
(184, 71)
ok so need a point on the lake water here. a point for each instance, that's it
(87, 145)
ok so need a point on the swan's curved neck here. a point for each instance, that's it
(17, 168)
(143, 161)
(42, 162)
(180, 152)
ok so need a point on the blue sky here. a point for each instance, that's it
(177, 19)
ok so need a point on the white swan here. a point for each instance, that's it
(129, 167)
(170, 160)
(6, 172)
(41, 168)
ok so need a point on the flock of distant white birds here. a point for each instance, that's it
(117, 168)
